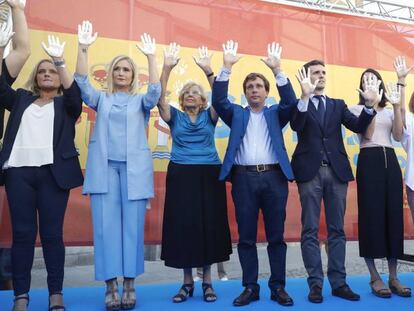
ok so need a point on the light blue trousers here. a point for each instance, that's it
(118, 228)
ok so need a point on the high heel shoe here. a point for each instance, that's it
(185, 291)
(59, 307)
(112, 299)
(208, 296)
(19, 306)
(129, 298)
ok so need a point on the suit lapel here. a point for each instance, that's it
(246, 117)
(330, 107)
(58, 119)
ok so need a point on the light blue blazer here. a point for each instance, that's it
(140, 178)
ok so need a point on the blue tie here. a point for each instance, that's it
(321, 109)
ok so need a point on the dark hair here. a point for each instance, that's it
(383, 101)
(253, 76)
(411, 103)
(313, 62)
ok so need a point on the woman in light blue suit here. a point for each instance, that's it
(119, 173)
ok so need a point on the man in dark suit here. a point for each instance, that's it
(322, 171)
(257, 164)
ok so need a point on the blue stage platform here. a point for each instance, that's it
(158, 298)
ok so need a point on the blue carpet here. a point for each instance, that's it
(158, 297)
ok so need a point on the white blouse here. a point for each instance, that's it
(408, 145)
(383, 128)
(33, 145)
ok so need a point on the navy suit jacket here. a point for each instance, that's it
(314, 138)
(237, 118)
(68, 107)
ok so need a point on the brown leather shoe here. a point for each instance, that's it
(345, 292)
(315, 294)
(246, 297)
(281, 296)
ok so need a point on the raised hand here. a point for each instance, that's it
(5, 34)
(171, 55)
(17, 3)
(85, 36)
(393, 93)
(230, 56)
(55, 48)
(203, 60)
(371, 93)
(147, 46)
(306, 84)
(274, 51)
(401, 67)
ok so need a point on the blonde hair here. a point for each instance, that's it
(31, 83)
(411, 103)
(188, 86)
(134, 83)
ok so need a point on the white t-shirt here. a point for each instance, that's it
(407, 143)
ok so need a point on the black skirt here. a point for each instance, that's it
(380, 204)
(195, 226)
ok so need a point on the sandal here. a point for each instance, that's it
(112, 299)
(129, 298)
(209, 296)
(19, 306)
(381, 292)
(398, 289)
(56, 307)
(185, 291)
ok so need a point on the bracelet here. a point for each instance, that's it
(401, 84)
(210, 74)
(59, 63)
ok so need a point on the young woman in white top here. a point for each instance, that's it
(379, 184)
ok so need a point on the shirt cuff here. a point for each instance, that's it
(281, 79)
(223, 75)
(370, 111)
(303, 105)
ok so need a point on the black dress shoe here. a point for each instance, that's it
(345, 292)
(315, 294)
(281, 296)
(246, 297)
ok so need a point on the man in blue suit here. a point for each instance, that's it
(257, 164)
(322, 170)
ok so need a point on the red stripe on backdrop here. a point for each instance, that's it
(305, 34)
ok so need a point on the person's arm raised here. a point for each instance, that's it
(21, 44)
(171, 59)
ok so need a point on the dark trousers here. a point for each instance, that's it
(325, 185)
(33, 194)
(268, 191)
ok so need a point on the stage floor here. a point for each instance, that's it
(158, 297)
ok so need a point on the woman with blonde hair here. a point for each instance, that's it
(119, 173)
(40, 165)
(195, 226)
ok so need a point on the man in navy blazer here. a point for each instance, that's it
(322, 170)
(257, 164)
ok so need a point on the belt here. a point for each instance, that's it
(256, 168)
(325, 163)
